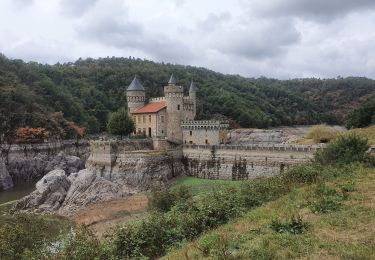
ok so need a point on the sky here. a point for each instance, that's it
(274, 38)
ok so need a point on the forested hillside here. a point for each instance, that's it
(83, 93)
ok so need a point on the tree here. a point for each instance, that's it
(120, 123)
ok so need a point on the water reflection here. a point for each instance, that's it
(20, 190)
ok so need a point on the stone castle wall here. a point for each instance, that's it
(244, 162)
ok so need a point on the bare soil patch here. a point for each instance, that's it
(104, 216)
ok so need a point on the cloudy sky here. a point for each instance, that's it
(273, 38)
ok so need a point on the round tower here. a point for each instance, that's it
(135, 95)
(174, 100)
(193, 97)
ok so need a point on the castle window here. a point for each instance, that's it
(162, 119)
(206, 141)
(162, 131)
(178, 107)
(149, 118)
(139, 119)
(191, 133)
(144, 120)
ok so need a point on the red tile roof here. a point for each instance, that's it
(151, 108)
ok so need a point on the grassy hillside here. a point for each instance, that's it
(85, 91)
(344, 231)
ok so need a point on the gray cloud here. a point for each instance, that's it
(22, 3)
(318, 10)
(120, 32)
(259, 42)
(277, 38)
(213, 21)
(76, 7)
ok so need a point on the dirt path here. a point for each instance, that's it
(104, 216)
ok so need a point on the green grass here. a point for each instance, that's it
(345, 233)
(197, 185)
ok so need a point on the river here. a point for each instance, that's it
(19, 191)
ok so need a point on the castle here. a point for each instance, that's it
(172, 117)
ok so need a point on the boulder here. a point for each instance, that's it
(6, 181)
(68, 163)
(87, 188)
(49, 195)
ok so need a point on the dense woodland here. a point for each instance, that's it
(62, 97)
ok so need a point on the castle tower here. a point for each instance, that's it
(193, 97)
(135, 95)
(174, 100)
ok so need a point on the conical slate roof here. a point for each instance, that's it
(192, 88)
(135, 85)
(172, 80)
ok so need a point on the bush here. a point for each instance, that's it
(261, 190)
(84, 246)
(163, 200)
(345, 149)
(302, 174)
(322, 133)
(294, 226)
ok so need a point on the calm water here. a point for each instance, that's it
(19, 191)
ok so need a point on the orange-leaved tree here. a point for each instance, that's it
(31, 135)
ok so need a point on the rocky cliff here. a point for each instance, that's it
(113, 170)
(6, 181)
(30, 162)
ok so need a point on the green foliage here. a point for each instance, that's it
(84, 246)
(27, 236)
(120, 123)
(362, 116)
(164, 199)
(327, 199)
(216, 246)
(87, 90)
(261, 190)
(295, 226)
(302, 174)
(345, 149)
(322, 133)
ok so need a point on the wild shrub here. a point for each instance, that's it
(322, 133)
(345, 149)
(84, 245)
(147, 238)
(261, 190)
(217, 246)
(23, 237)
(295, 226)
(302, 174)
(163, 200)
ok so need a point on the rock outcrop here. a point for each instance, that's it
(106, 177)
(30, 162)
(49, 195)
(6, 181)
